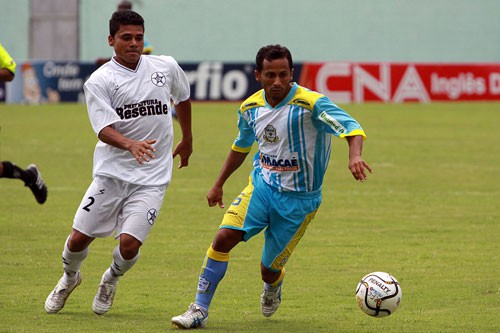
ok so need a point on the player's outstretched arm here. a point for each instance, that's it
(357, 165)
(233, 161)
(141, 150)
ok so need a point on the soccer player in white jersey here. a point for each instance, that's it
(128, 102)
(293, 127)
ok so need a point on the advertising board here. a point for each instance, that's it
(343, 82)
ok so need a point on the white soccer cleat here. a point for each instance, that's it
(270, 302)
(194, 317)
(57, 298)
(103, 299)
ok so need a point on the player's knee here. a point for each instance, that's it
(128, 252)
(226, 239)
(78, 242)
(129, 247)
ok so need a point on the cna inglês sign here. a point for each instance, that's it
(403, 82)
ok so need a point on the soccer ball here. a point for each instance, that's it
(378, 294)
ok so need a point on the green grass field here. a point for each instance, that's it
(428, 215)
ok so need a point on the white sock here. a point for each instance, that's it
(72, 261)
(119, 266)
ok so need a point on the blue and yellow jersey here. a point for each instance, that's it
(294, 138)
(6, 60)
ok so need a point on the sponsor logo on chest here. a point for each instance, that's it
(151, 107)
(271, 162)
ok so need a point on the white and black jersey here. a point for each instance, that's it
(137, 104)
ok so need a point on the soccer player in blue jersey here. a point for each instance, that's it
(293, 127)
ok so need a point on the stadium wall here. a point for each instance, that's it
(314, 30)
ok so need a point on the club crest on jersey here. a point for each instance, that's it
(158, 79)
(270, 134)
(151, 216)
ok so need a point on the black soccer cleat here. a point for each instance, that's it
(36, 184)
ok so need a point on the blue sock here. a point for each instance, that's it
(212, 271)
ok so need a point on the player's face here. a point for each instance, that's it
(128, 43)
(275, 79)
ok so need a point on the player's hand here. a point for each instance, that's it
(184, 149)
(143, 150)
(214, 197)
(358, 168)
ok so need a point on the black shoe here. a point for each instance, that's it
(37, 185)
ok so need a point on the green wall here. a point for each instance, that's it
(314, 30)
(14, 27)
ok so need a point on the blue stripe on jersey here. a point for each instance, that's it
(307, 185)
(298, 144)
(321, 158)
(293, 134)
(298, 131)
(291, 146)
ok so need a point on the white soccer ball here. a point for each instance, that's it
(378, 294)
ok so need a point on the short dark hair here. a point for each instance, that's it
(124, 17)
(272, 52)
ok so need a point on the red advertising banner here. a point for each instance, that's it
(403, 82)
